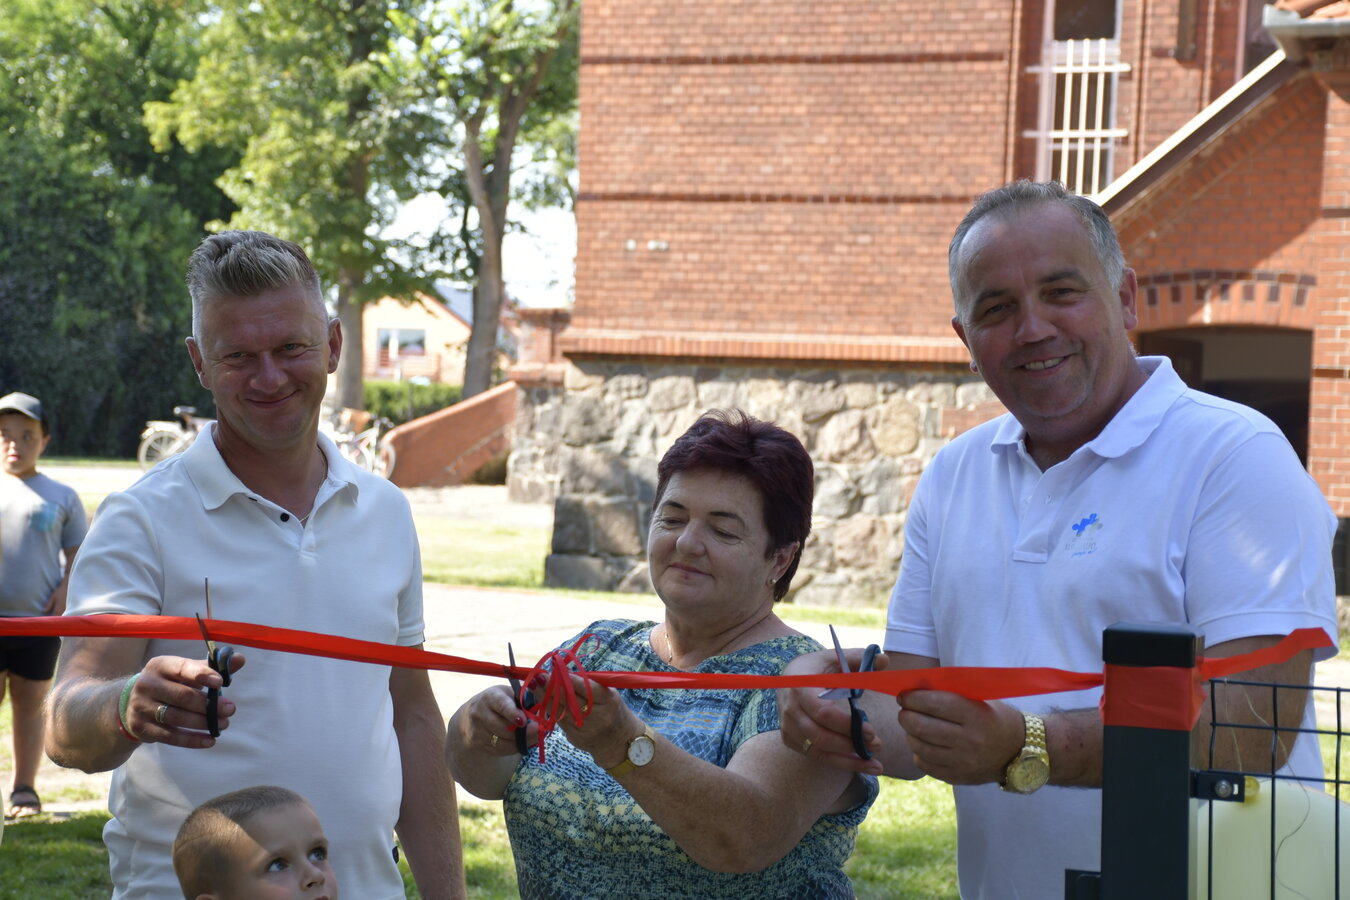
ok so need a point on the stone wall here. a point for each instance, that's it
(593, 445)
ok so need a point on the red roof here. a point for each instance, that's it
(1316, 9)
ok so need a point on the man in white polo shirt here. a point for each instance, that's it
(1109, 492)
(289, 534)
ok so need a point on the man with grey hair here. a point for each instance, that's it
(287, 533)
(1109, 492)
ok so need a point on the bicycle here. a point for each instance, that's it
(363, 445)
(162, 439)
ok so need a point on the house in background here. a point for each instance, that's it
(427, 337)
(769, 187)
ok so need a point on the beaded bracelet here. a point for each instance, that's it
(122, 707)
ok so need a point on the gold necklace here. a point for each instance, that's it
(670, 652)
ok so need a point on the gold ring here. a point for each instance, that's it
(495, 739)
(162, 713)
(806, 747)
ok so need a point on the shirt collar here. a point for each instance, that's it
(1129, 427)
(216, 484)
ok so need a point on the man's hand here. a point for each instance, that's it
(179, 685)
(960, 741)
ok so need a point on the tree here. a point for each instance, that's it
(508, 72)
(333, 131)
(95, 225)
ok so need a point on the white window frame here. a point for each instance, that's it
(1086, 65)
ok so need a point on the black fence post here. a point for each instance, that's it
(1146, 790)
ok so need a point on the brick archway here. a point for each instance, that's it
(1263, 297)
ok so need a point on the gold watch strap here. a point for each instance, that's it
(1021, 775)
(1035, 726)
(628, 765)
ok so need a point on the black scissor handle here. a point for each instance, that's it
(219, 660)
(869, 661)
(213, 711)
(522, 700)
(859, 746)
(858, 714)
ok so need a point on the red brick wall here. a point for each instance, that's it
(1249, 199)
(445, 448)
(1161, 92)
(1264, 211)
(1329, 422)
(757, 272)
(798, 166)
(797, 169)
(647, 29)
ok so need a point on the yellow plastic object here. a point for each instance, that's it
(1304, 820)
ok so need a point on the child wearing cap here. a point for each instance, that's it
(259, 842)
(40, 521)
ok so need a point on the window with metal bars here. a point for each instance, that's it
(1078, 73)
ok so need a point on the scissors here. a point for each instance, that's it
(857, 714)
(528, 700)
(218, 658)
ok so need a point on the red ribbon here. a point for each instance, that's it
(1152, 697)
(1173, 698)
(1138, 700)
(560, 695)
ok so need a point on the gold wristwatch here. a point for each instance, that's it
(1030, 768)
(641, 749)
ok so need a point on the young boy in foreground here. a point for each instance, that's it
(259, 843)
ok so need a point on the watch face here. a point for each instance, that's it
(1028, 774)
(641, 750)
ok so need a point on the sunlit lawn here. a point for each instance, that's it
(480, 554)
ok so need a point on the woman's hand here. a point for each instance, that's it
(607, 727)
(488, 721)
(480, 742)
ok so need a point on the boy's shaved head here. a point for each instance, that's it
(201, 853)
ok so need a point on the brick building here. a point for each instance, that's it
(768, 188)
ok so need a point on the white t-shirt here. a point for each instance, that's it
(1186, 508)
(321, 727)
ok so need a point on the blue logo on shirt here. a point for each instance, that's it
(1083, 542)
(45, 517)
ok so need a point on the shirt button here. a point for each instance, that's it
(285, 517)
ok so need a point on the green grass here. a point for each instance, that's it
(455, 551)
(907, 845)
(55, 859)
(835, 615)
(1331, 747)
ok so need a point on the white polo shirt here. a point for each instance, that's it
(321, 727)
(1186, 508)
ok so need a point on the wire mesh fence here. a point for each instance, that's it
(1208, 820)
